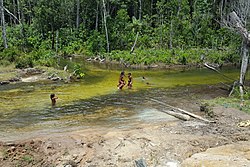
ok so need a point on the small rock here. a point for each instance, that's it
(4, 82)
(55, 79)
(75, 156)
(14, 79)
(89, 161)
(11, 149)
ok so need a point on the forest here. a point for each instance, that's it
(133, 31)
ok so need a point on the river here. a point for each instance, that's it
(25, 108)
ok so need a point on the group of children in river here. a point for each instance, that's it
(120, 85)
(122, 81)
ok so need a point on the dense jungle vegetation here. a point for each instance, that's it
(133, 31)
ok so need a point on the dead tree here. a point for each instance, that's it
(237, 21)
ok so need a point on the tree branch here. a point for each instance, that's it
(11, 14)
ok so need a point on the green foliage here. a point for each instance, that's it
(24, 61)
(78, 72)
(174, 56)
(44, 57)
(10, 54)
(188, 27)
(96, 42)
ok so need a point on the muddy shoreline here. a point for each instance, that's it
(158, 145)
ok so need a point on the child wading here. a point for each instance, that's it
(121, 82)
(53, 99)
(130, 80)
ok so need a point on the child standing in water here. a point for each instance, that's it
(130, 80)
(53, 99)
(121, 82)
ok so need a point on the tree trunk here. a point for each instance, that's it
(133, 47)
(235, 21)
(57, 40)
(30, 14)
(53, 39)
(97, 15)
(191, 10)
(244, 64)
(137, 34)
(171, 35)
(161, 20)
(18, 10)
(4, 36)
(182, 111)
(140, 10)
(77, 13)
(105, 25)
(14, 9)
(179, 8)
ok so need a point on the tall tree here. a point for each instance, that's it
(4, 36)
(105, 24)
(137, 34)
(77, 13)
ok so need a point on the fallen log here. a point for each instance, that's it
(183, 111)
(180, 116)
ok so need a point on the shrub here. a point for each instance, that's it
(24, 62)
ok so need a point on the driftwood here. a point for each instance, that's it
(183, 111)
(183, 117)
(212, 68)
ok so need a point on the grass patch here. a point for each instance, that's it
(7, 72)
(27, 158)
(230, 102)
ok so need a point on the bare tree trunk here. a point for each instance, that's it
(18, 10)
(161, 20)
(133, 47)
(53, 38)
(140, 9)
(105, 24)
(30, 15)
(14, 9)
(179, 8)
(4, 36)
(137, 34)
(237, 24)
(77, 13)
(97, 15)
(244, 64)
(171, 35)
(151, 7)
(57, 40)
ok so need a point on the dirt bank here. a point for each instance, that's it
(160, 144)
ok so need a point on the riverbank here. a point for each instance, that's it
(9, 74)
(158, 144)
